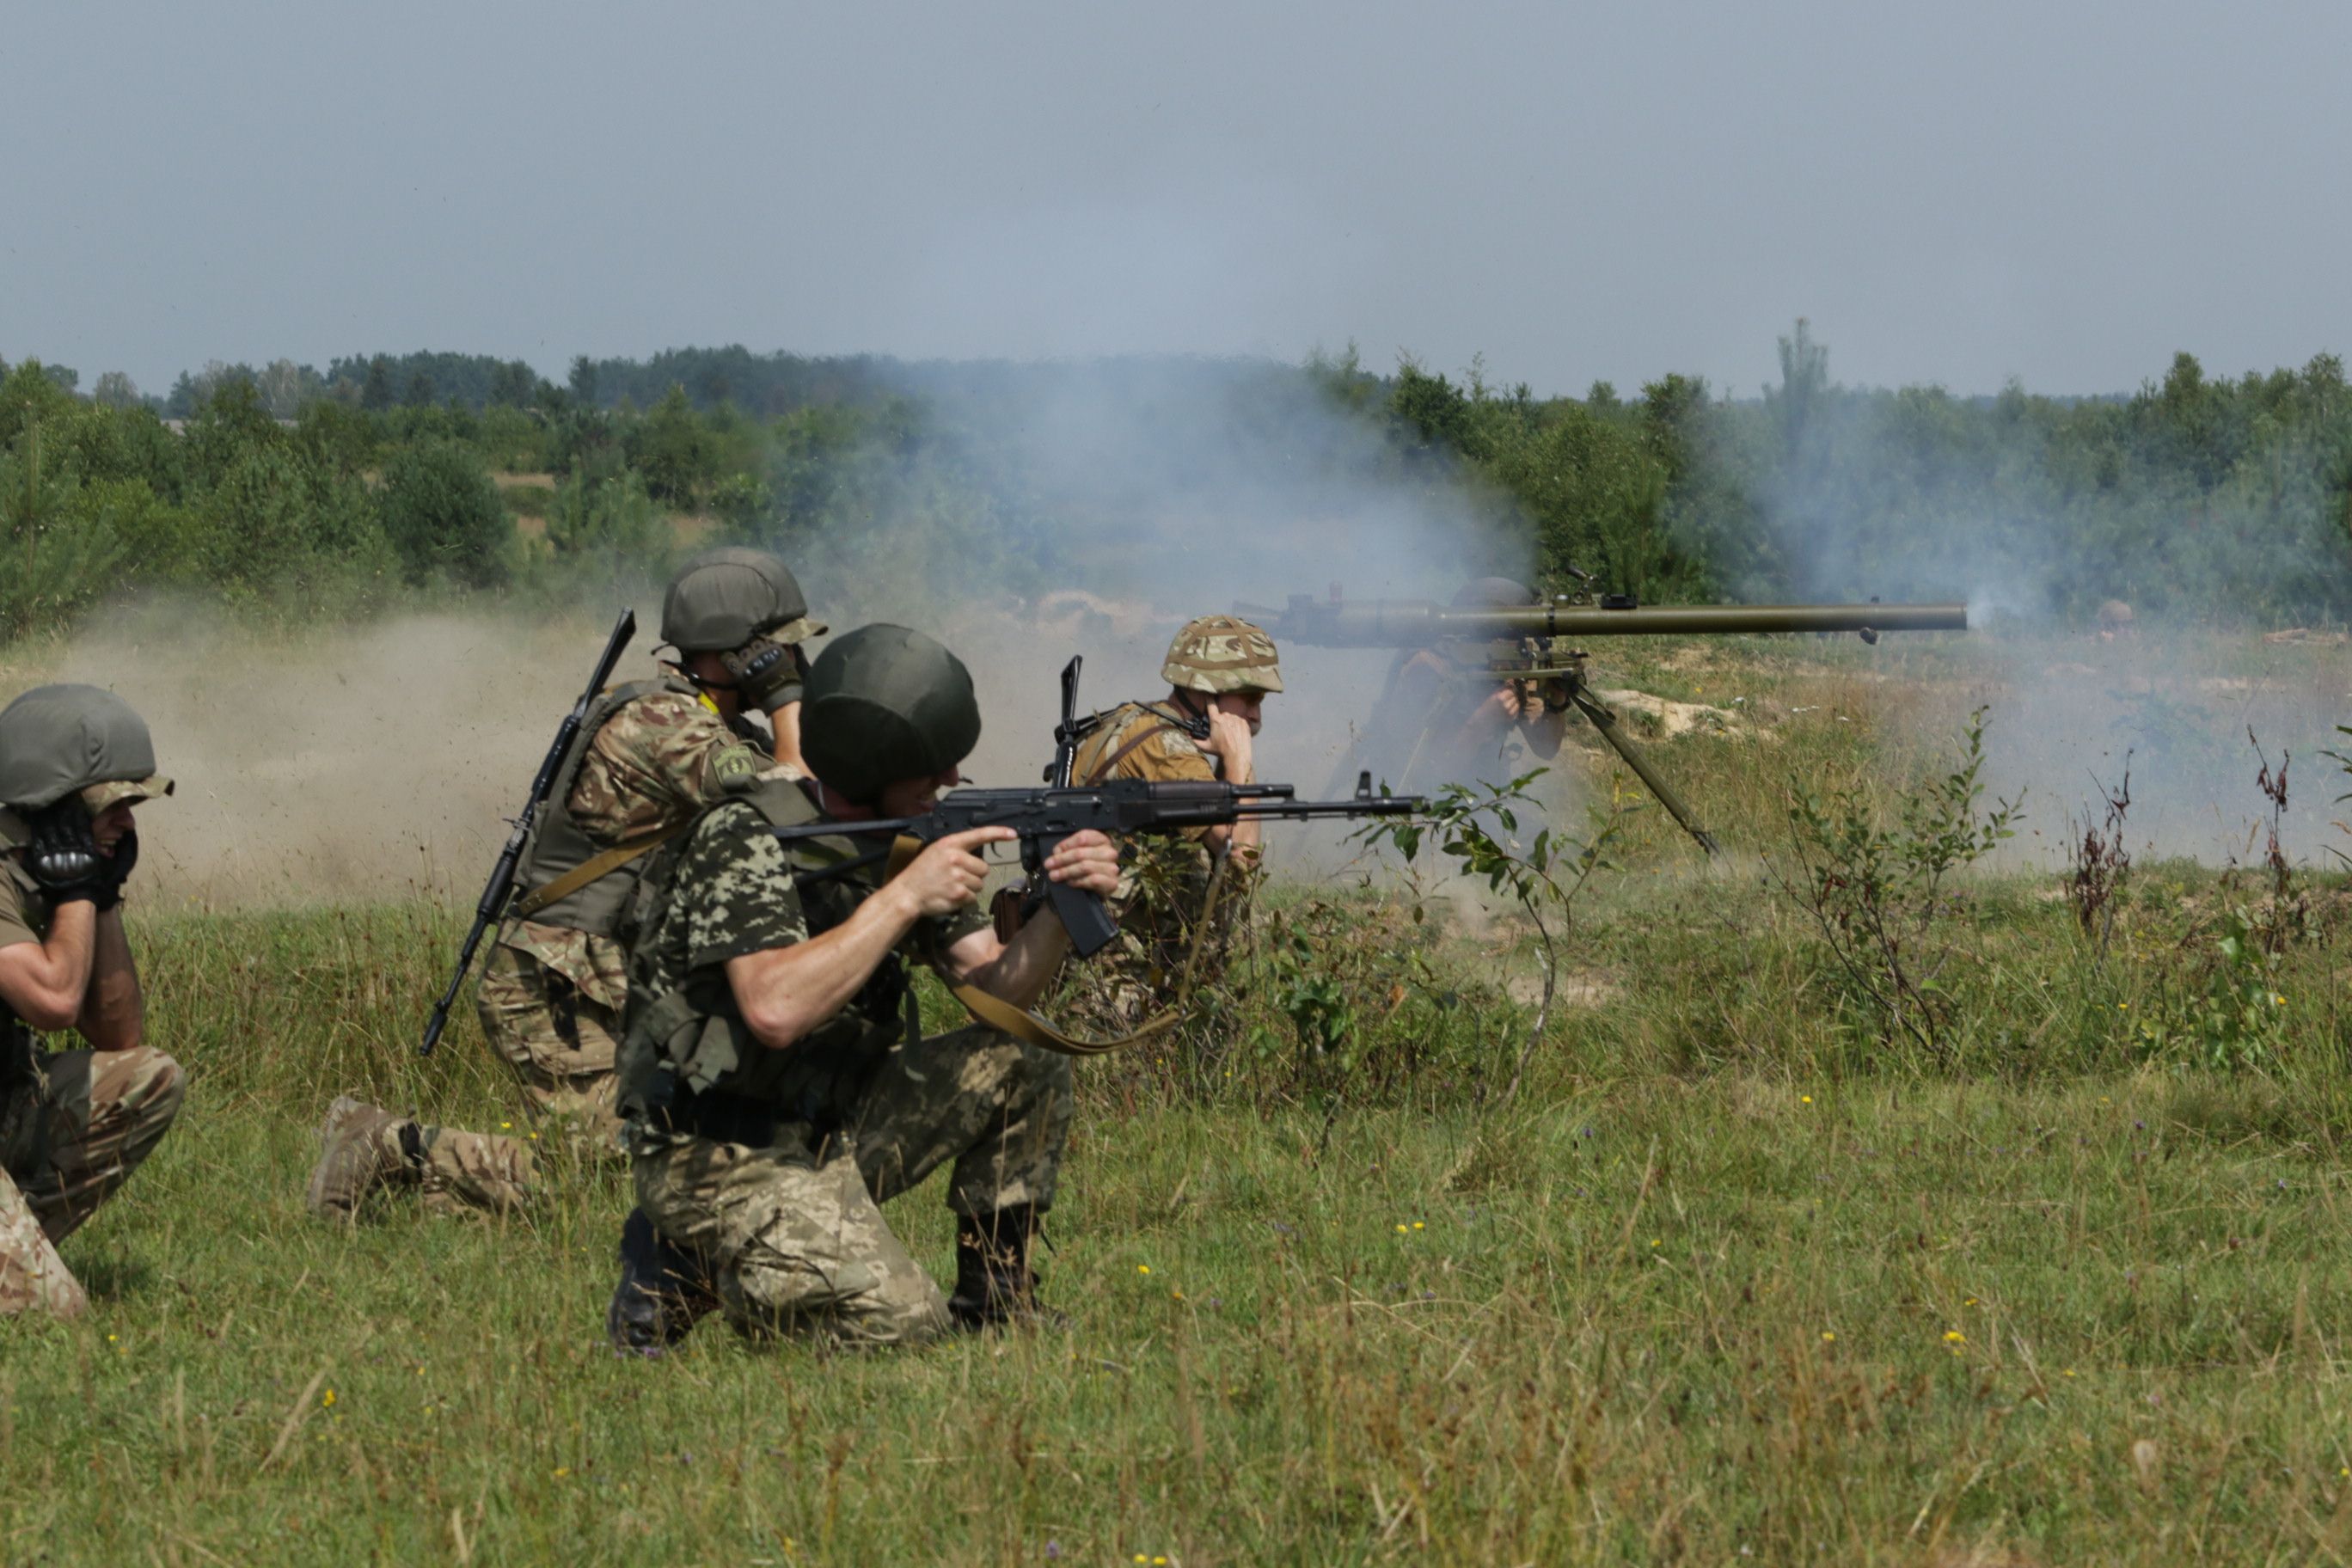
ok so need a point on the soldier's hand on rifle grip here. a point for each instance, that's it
(1087, 861)
(948, 872)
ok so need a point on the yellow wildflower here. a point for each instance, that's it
(1954, 1337)
(1143, 1269)
(327, 1398)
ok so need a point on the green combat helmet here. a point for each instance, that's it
(59, 740)
(885, 703)
(723, 598)
(1221, 653)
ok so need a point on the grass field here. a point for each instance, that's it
(1735, 1277)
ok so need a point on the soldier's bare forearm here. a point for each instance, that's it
(1019, 971)
(46, 983)
(786, 992)
(114, 1008)
(786, 726)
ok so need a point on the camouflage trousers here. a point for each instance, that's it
(488, 1173)
(559, 1043)
(80, 1136)
(790, 1235)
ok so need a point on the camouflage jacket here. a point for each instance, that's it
(652, 764)
(729, 889)
(1164, 879)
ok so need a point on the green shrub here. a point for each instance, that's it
(56, 558)
(604, 530)
(278, 528)
(441, 511)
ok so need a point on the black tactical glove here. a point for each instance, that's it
(63, 858)
(767, 674)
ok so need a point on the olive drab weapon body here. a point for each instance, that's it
(498, 894)
(1532, 646)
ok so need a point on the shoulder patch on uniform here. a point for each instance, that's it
(737, 768)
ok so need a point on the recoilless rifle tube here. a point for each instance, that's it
(1414, 622)
(1532, 647)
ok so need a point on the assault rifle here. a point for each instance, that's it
(499, 890)
(1045, 816)
(1532, 648)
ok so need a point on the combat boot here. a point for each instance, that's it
(660, 1295)
(994, 1284)
(360, 1147)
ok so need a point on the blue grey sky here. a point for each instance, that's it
(2062, 192)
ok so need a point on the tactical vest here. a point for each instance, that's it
(1125, 728)
(558, 843)
(689, 1062)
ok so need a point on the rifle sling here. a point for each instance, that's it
(1103, 770)
(595, 865)
(1030, 1029)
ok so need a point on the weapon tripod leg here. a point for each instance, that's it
(1606, 722)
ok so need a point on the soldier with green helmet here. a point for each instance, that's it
(74, 763)
(777, 1084)
(649, 755)
(1179, 895)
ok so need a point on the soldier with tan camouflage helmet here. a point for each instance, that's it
(1220, 670)
(74, 761)
(649, 755)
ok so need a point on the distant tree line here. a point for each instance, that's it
(293, 491)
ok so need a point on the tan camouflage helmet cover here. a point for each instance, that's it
(1221, 653)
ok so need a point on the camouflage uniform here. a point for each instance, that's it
(1167, 881)
(552, 995)
(73, 1125)
(767, 1167)
(1164, 879)
(1434, 726)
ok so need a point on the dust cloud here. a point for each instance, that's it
(332, 765)
(383, 762)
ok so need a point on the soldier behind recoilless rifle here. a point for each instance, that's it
(1513, 658)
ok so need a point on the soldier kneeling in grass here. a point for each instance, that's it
(777, 1084)
(74, 761)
